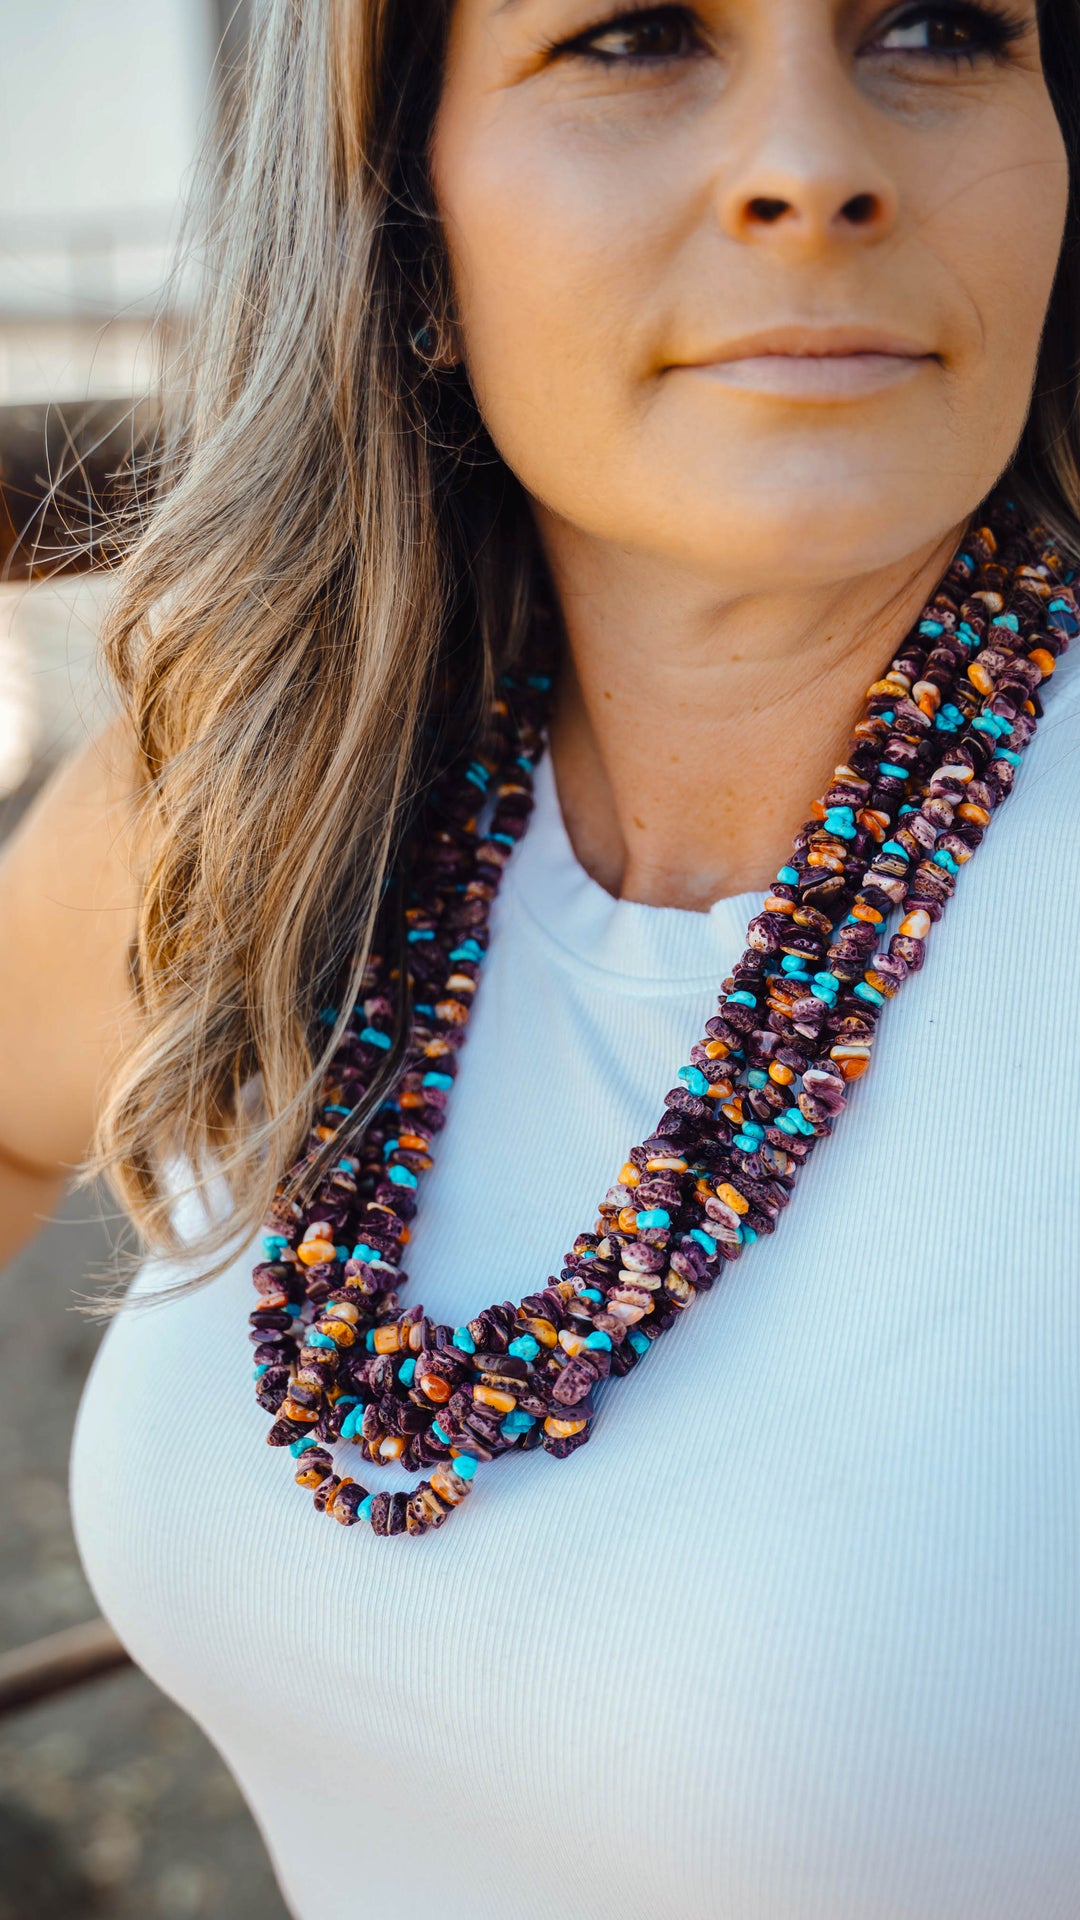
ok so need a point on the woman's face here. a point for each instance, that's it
(632, 198)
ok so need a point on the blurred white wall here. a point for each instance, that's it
(102, 103)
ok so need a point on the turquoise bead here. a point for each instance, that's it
(407, 1372)
(469, 950)
(439, 1434)
(1006, 753)
(353, 1419)
(638, 1341)
(694, 1081)
(464, 1465)
(274, 1244)
(741, 998)
(589, 1293)
(1006, 620)
(376, 1039)
(654, 1217)
(300, 1446)
(788, 876)
(442, 1080)
(747, 1233)
(757, 1077)
(363, 1252)
(259, 1371)
(421, 933)
(703, 1239)
(363, 1511)
(524, 1347)
(369, 1339)
(893, 846)
(314, 1339)
(401, 1177)
(887, 766)
(518, 1421)
(599, 1339)
(463, 1339)
(866, 992)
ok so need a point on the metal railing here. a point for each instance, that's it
(59, 1662)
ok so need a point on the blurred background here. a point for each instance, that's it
(111, 1801)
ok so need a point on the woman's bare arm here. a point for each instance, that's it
(68, 900)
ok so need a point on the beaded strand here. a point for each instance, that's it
(337, 1360)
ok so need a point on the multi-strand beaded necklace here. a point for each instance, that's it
(337, 1359)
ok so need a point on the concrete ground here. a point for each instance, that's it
(112, 1803)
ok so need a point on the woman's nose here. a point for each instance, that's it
(806, 176)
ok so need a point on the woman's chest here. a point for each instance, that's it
(796, 1632)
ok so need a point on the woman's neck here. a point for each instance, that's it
(690, 735)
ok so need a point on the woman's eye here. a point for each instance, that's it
(658, 33)
(958, 32)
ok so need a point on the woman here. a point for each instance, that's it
(668, 363)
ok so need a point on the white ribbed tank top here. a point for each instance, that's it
(796, 1636)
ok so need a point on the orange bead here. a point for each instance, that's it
(916, 924)
(666, 1162)
(869, 914)
(392, 1447)
(445, 1483)
(452, 1011)
(411, 1100)
(561, 1429)
(312, 1252)
(781, 1074)
(491, 1397)
(732, 1197)
(629, 1175)
(541, 1330)
(1043, 660)
(876, 822)
(879, 983)
(967, 810)
(627, 1219)
(436, 1388)
(716, 1049)
(387, 1339)
(292, 1410)
(310, 1476)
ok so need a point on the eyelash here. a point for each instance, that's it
(994, 30)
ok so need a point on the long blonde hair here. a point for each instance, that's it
(333, 567)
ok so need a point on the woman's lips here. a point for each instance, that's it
(812, 376)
